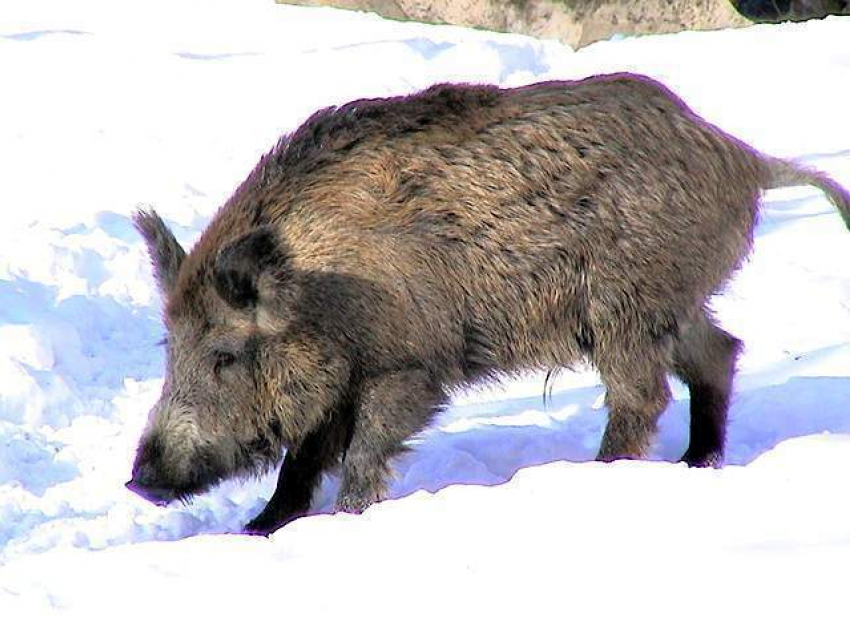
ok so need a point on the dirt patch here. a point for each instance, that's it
(575, 22)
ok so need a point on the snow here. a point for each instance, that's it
(496, 523)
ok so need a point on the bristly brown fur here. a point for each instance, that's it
(392, 249)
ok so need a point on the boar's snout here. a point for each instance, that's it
(148, 477)
(175, 460)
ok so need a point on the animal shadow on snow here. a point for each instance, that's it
(488, 453)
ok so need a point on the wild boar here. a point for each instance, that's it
(390, 250)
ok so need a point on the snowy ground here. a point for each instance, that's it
(170, 104)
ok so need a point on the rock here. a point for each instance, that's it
(796, 10)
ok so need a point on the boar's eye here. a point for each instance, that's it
(223, 360)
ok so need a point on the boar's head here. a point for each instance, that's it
(248, 373)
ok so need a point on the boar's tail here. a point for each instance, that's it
(785, 173)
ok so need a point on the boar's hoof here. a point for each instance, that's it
(354, 504)
(265, 524)
(702, 459)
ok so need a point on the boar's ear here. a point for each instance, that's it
(240, 264)
(166, 254)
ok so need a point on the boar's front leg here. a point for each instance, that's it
(300, 474)
(391, 409)
(296, 482)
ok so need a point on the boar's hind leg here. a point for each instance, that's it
(705, 360)
(637, 393)
(300, 474)
(392, 408)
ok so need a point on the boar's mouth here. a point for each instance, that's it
(163, 495)
(156, 495)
